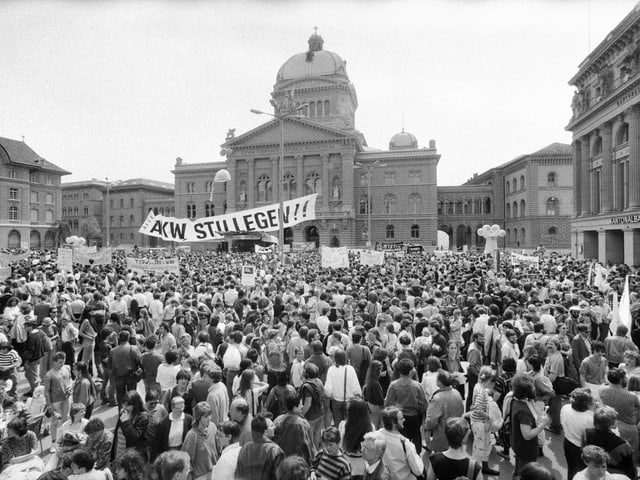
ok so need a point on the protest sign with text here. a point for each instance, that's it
(261, 219)
(154, 265)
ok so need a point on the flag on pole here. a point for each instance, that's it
(624, 309)
(615, 314)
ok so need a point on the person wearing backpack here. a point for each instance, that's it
(275, 403)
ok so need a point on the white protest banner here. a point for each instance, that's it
(524, 258)
(261, 219)
(7, 258)
(303, 246)
(103, 257)
(84, 249)
(334, 257)
(259, 249)
(5, 272)
(371, 258)
(248, 276)
(154, 265)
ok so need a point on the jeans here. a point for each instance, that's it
(123, 385)
(31, 372)
(411, 430)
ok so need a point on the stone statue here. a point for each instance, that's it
(243, 194)
(336, 191)
(576, 103)
(231, 133)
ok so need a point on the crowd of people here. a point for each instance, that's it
(371, 372)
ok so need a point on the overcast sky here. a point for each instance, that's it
(120, 89)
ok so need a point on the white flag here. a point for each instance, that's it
(624, 309)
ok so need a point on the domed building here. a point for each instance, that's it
(324, 153)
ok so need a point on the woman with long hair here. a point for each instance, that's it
(131, 427)
(372, 392)
(480, 421)
(352, 431)
(575, 419)
(451, 363)
(84, 390)
(250, 389)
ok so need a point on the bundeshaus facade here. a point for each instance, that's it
(324, 153)
(606, 147)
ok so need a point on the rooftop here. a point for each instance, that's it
(20, 153)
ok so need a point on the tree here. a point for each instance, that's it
(59, 230)
(91, 230)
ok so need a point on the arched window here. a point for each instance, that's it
(508, 235)
(313, 184)
(622, 136)
(264, 189)
(363, 205)
(312, 109)
(131, 203)
(390, 204)
(522, 184)
(208, 186)
(515, 185)
(458, 208)
(121, 220)
(132, 237)
(132, 220)
(552, 206)
(415, 203)
(64, 212)
(507, 210)
(515, 235)
(122, 203)
(85, 210)
(327, 110)
(523, 238)
(523, 210)
(224, 207)
(191, 210)
(336, 190)
(515, 209)
(319, 108)
(507, 187)
(75, 224)
(209, 209)
(552, 231)
(391, 231)
(415, 231)
(289, 187)
(551, 179)
(75, 211)
(440, 208)
(597, 147)
(487, 205)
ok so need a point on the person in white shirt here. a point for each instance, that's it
(231, 359)
(228, 435)
(166, 375)
(341, 386)
(510, 348)
(156, 310)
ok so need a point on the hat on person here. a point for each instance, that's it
(47, 322)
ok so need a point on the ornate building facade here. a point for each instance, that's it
(87, 206)
(30, 196)
(606, 148)
(323, 153)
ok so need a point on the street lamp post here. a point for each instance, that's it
(369, 168)
(108, 219)
(287, 109)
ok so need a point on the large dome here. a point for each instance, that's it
(315, 62)
(403, 141)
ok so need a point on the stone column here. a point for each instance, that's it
(299, 177)
(577, 175)
(275, 177)
(629, 253)
(251, 183)
(585, 177)
(606, 181)
(346, 180)
(602, 247)
(231, 185)
(326, 187)
(634, 158)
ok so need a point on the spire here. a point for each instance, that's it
(315, 44)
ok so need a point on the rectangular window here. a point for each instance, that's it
(34, 178)
(415, 177)
(13, 194)
(389, 178)
(48, 199)
(48, 180)
(13, 213)
(12, 174)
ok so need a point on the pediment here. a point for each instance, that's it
(295, 131)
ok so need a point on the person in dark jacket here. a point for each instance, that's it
(123, 361)
(131, 427)
(173, 428)
(293, 432)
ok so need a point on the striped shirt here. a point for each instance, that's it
(331, 467)
(479, 403)
(10, 358)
